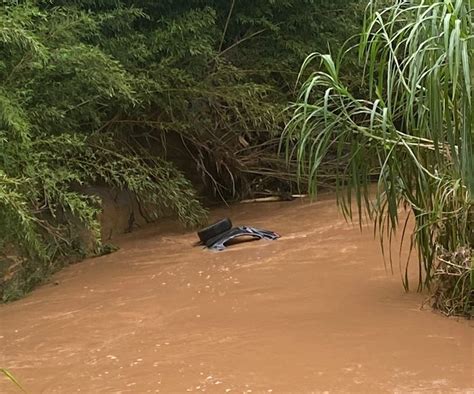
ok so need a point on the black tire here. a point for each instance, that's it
(214, 230)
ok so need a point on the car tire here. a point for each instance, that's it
(214, 230)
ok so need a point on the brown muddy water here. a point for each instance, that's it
(312, 312)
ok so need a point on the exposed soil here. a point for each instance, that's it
(315, 311)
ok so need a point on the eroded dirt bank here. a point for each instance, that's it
(312, 312)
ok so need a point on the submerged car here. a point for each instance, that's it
(221, 234)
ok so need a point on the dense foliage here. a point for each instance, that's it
(123, 93)
(414, 134)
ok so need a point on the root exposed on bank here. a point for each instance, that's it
(454, 275)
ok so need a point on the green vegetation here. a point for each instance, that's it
(179, 101)
(413, 134)
(10, 377)
(126, 94)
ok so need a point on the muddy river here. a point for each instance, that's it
(315, 311)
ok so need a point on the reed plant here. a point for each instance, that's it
(411, 133)
(10, 377)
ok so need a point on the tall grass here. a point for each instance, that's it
(10, 377)
(413, 131)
